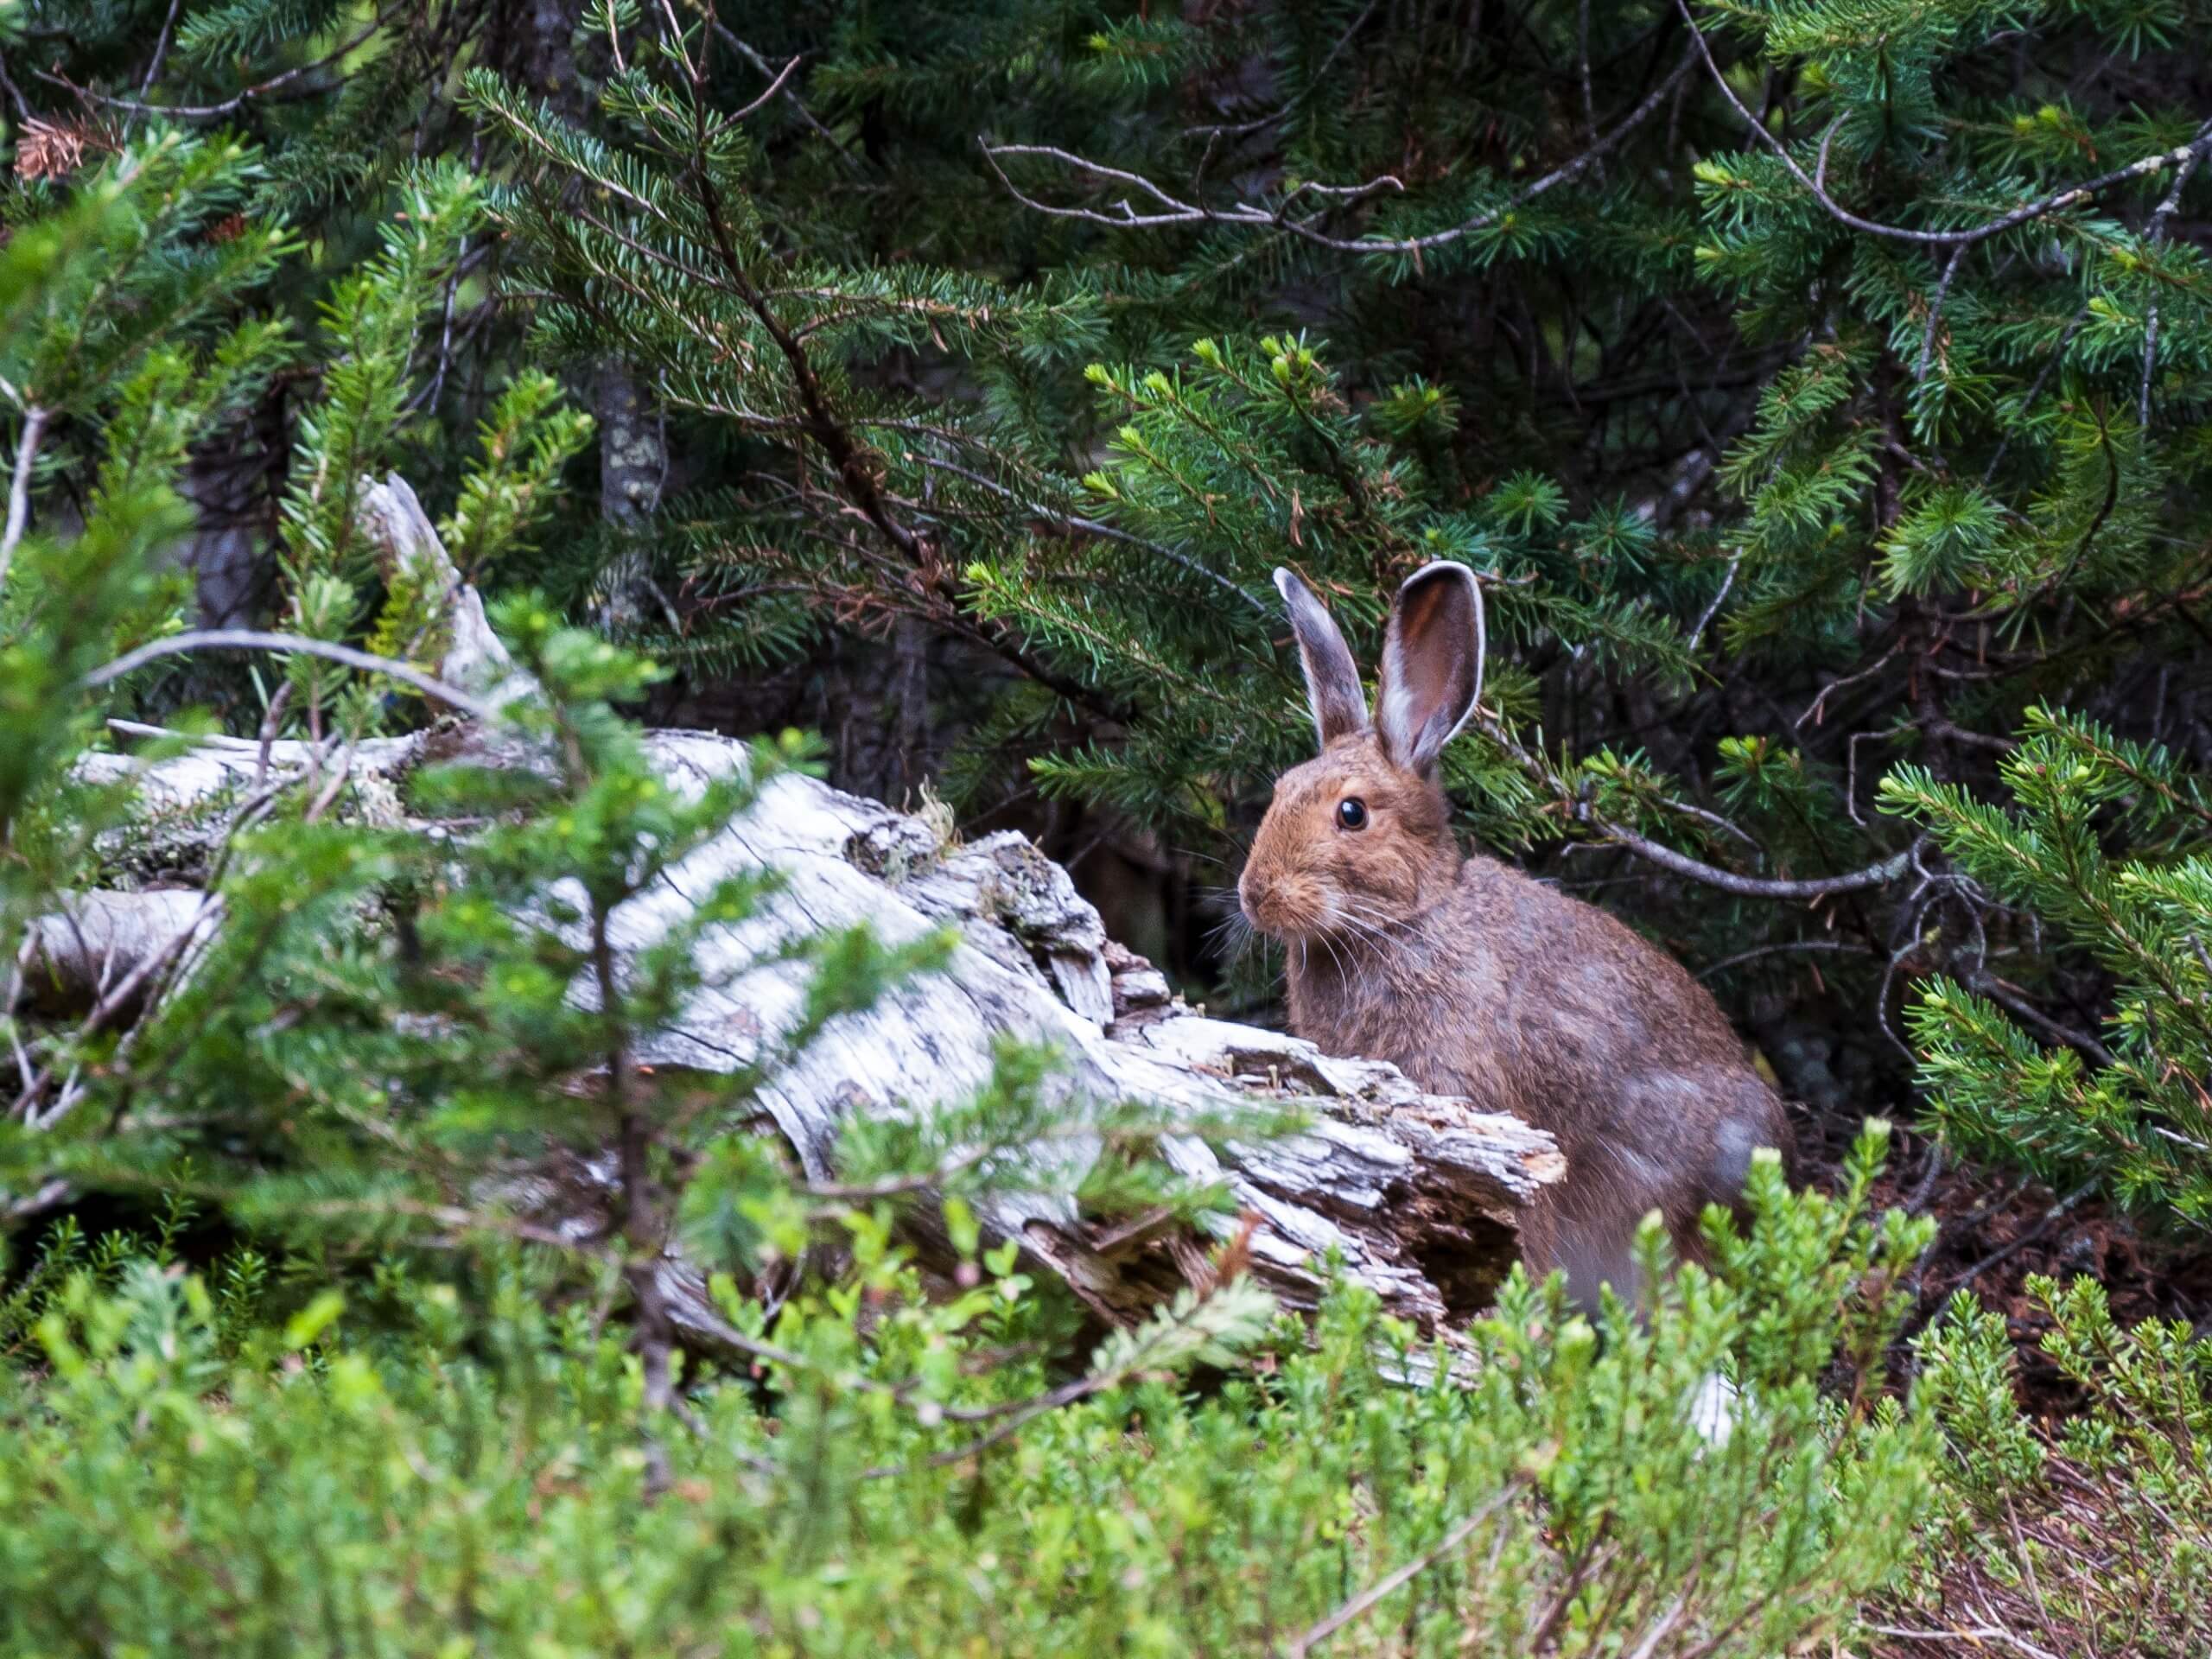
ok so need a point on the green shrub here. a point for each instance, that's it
(2093, 1534)
(432, 1473)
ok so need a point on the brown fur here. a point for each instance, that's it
(1476, 981)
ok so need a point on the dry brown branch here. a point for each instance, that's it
(1173, 211)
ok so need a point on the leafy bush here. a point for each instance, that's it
(2091, 1535)
(429, 1473)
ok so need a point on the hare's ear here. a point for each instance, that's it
(1432, 663)
(1332, 678)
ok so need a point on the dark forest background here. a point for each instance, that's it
(1820, 388)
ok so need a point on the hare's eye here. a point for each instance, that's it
(1351, 812)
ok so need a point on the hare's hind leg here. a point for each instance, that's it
(1574, 1230)
(1747, 1115)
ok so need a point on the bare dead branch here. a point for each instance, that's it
(1174, 211)
(19, 488)
(285, 644)
(1747, 886)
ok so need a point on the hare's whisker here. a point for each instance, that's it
(1365, 929)
(1377, 931)
(1389, 924)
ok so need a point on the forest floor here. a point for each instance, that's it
(1998, 1230)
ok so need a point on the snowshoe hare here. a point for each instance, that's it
(1475, 980)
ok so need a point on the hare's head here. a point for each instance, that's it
(1359, 838)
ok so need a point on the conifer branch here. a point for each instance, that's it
(847, 456)
(2072, 196)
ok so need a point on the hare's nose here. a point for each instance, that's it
(1251, 896)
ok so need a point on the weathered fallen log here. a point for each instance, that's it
(1418, 1194)
(88, 948)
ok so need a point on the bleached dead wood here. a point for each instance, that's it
(1417, 1194)
(91, 943)
(408, 547)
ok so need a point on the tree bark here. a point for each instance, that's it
(540, 52)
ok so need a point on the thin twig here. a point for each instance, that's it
(774, 87)
(1093, 527)
(2003, 995)
(15, 93)
(1952, 1638)
(229, 106)
(47, 1196)
(1365, 1600)
(1845, 946)
(1936, 311)
(178, 645)
(1178, 212)
(19, 490)
(2034, 390)
(2005, 1252)
(153, 975)
(1589, 99)
(1813, 709)
(2154, 234)
(1713, 609)
(790, 97)
(160, 49)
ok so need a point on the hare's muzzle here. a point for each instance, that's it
(1264, 904)
(1251, 897)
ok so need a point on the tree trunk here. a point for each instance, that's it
(633, 450)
